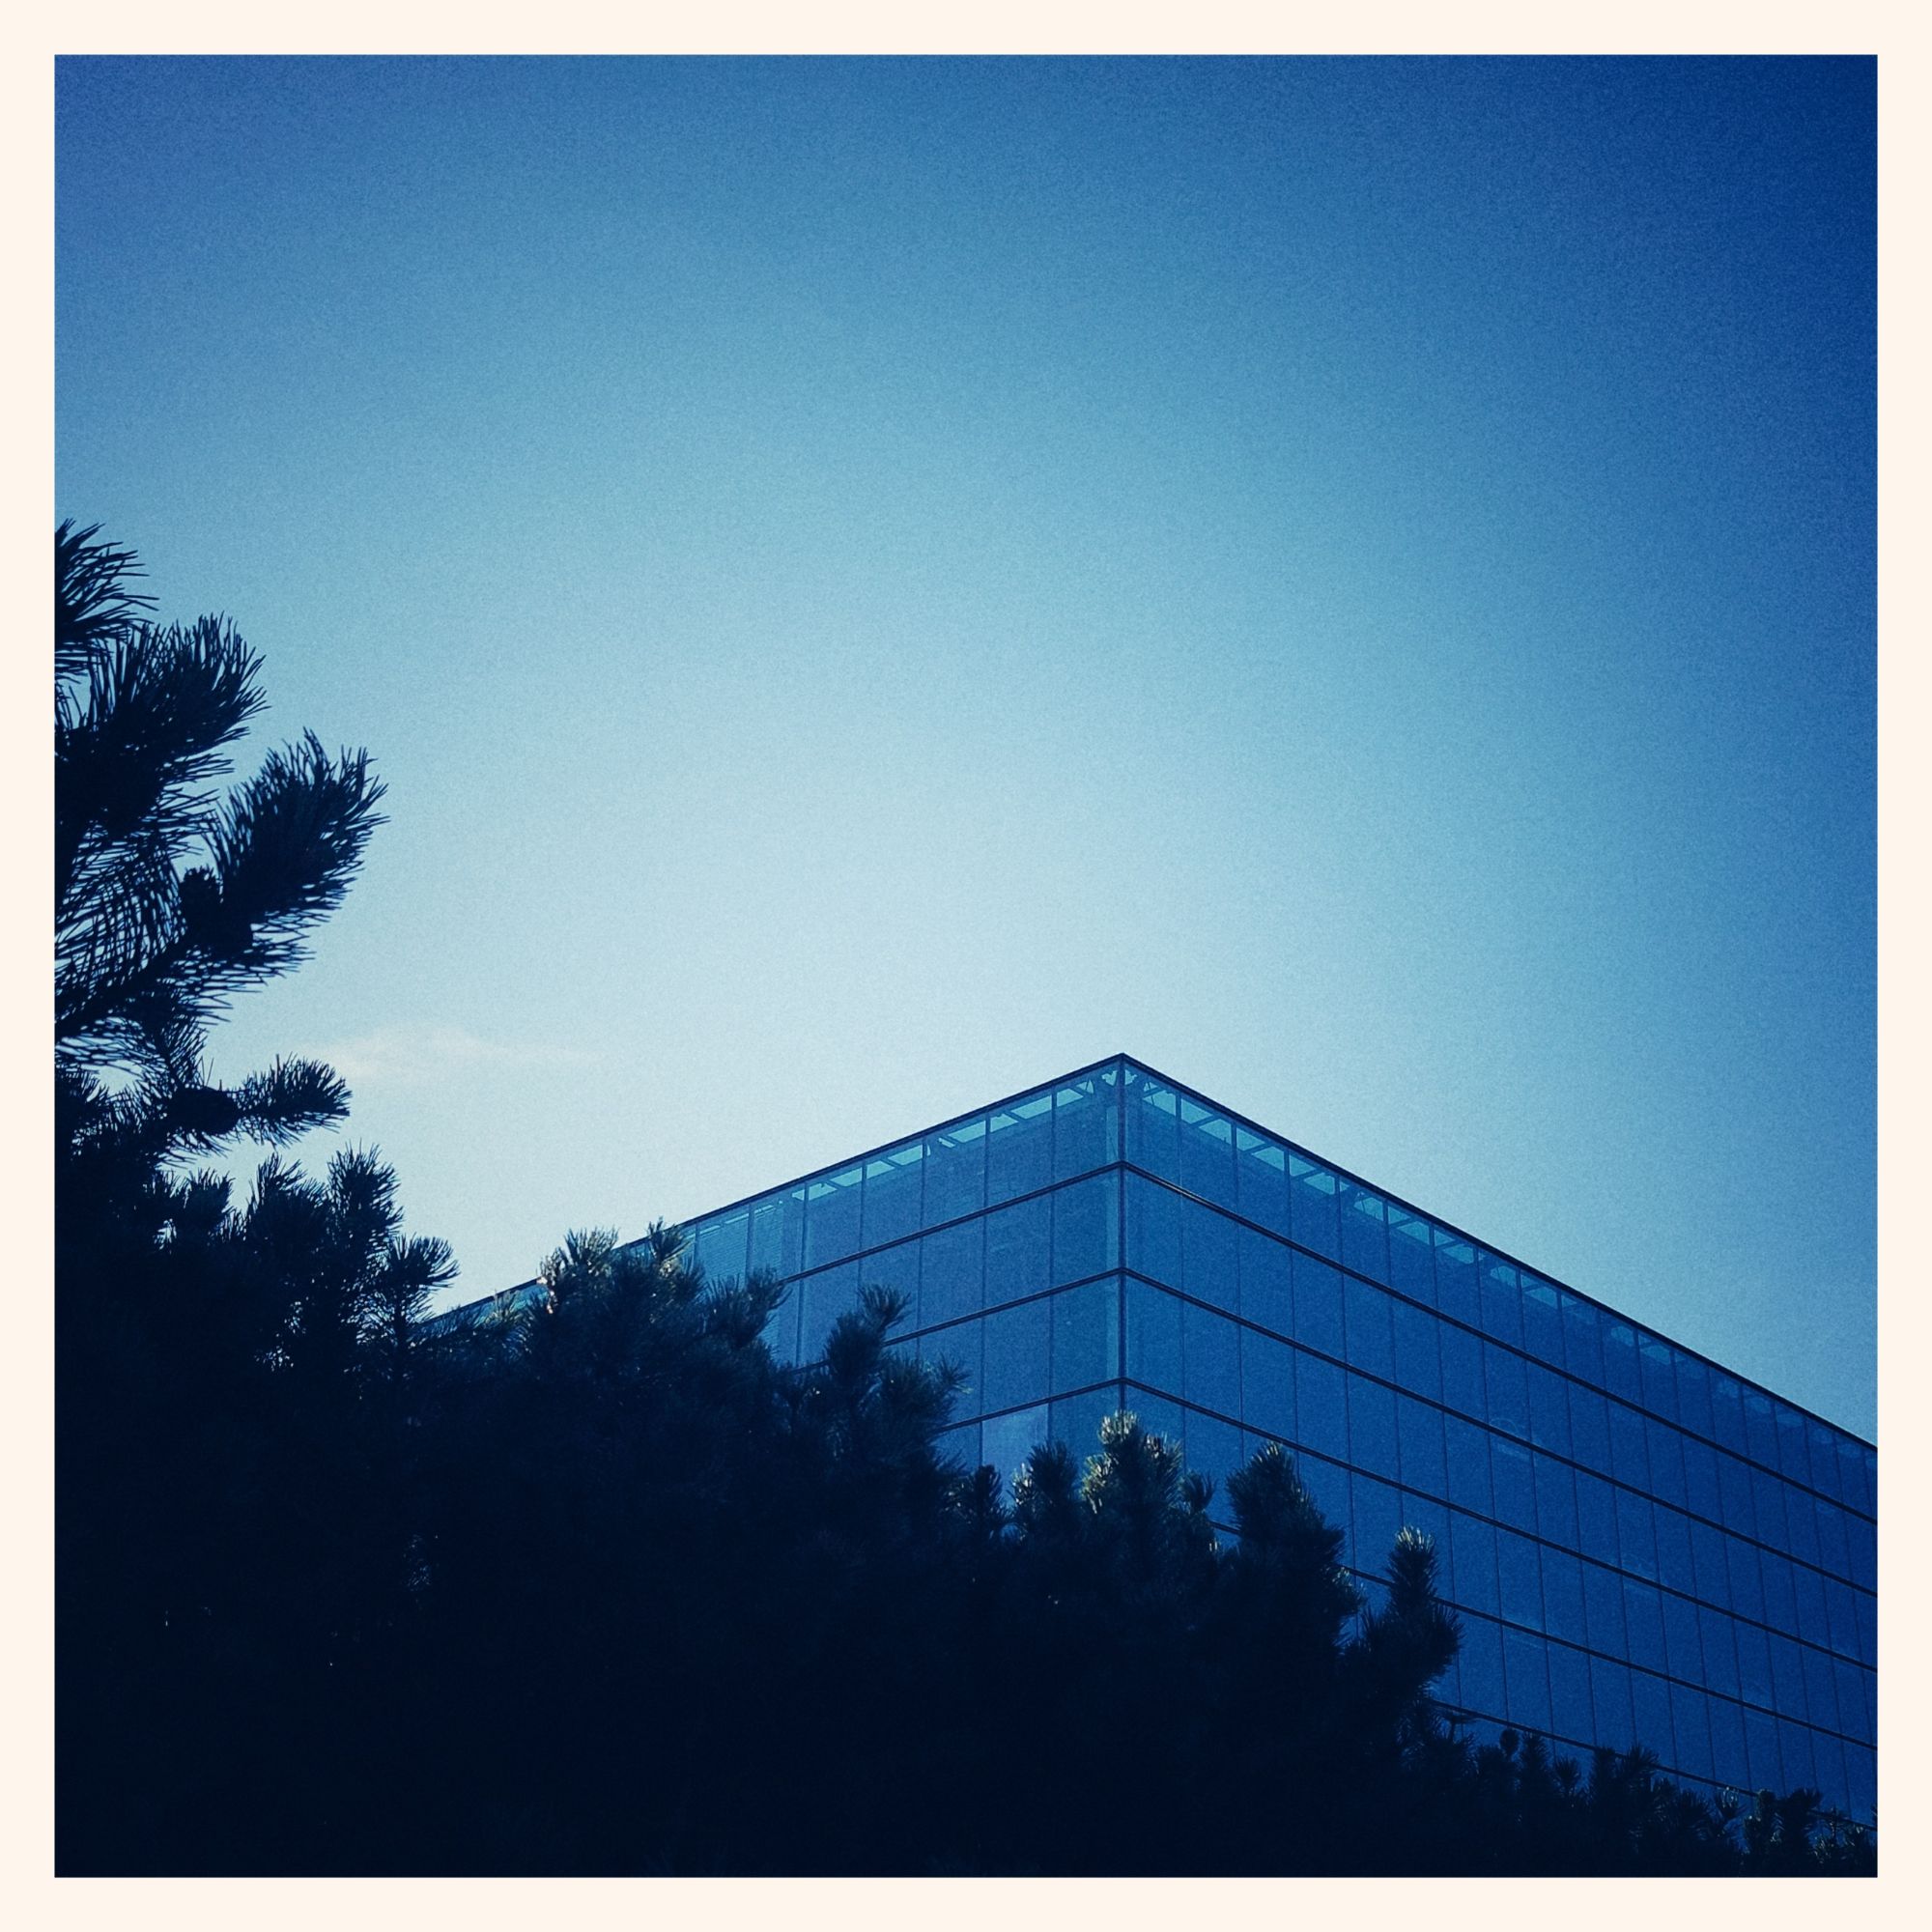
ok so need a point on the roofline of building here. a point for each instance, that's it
(1206, 1101)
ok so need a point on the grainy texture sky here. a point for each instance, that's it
(872, 584)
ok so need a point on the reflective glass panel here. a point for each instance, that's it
(1085, 1334)
(1206, 1153)
(1086, 1227)
(955, 1172)
(1266, 1282)
(1261, 1180)
(832, 1217)
(1019, 1148)
(1364, 1232)
(1210, 1361)
(1317, 1305)
(1153, 1337)
(1086, 1123)
(891, 1206)
(1455, 1287)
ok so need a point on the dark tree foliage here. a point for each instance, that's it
(593, 1585)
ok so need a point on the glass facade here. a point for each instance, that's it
(1640, 1546)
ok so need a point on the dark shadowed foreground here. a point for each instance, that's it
(599, 1588)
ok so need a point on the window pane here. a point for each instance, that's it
(955, 1172)
(1693, 1395)
(962, 1346)
(1418, 1365)
(1317, 1305)
(1555, 1501)
(1666, 1461)
(1590, 1428)
(1643, 1624)
(1482, 1662)
(1720, 1655)
(1412, 1244)
(1508, 1389)
(1327, 1486)
(1085, 1334)
(1086, 1227)
(722, 1244)
(1019, 1148)
(1569, 1712)
(952, 1270)
(1261, 1180)
(1086, 1123)
(1372, 1440)
(1154, 1231)
(896, 1270)
(1603, 1608)
(1582, 1340)
(1267, 1285)
(1456, 1292)
(1548, 1409)
(1017, 1357)
(1707, 1553)
(1514, 1483)
(1210, 1361)
(1209, 1270)
(1727, 1744)
(1630, 1454)
(1563, 1595)
(1206, 1153)
(1609, 1692)
(781, 1334)
(1472, 1549)
(1637, 1541)
(1076, 1420)
(1378, 1521)
(1364, 1232)
(1767, 1767)
(1734, 1485)
(1520, 1576)
(1596, 1518)
(825, 1298)
(1700, 1480)
(1541, 1320)
(1312, 1212)
(1727, 1412)
(1620, 1372)
(892, 1195)
(1424, 1463)
(1659, 1375)
(777, 1232)
(1268, 1384)
(1793, 1456)
(832, 1217)
(1682, 1646)
(1366, 1316)
(1693, 1736)
(1502, 1300)
(1008, 1440)
(1153, 1337)
(1469, 1464)
(1019, 1246)
(1152, 1126)
(1214, 1450)
(1463, 1371)
(1321, 1413)
(1527, 1681)
(1760, 1428)
(1747, 1587)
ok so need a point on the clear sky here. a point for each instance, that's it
(872, 584)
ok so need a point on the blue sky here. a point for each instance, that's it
(875, 582)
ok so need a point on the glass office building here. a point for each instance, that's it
(1639, 1543)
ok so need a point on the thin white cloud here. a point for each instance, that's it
(420, 1056)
